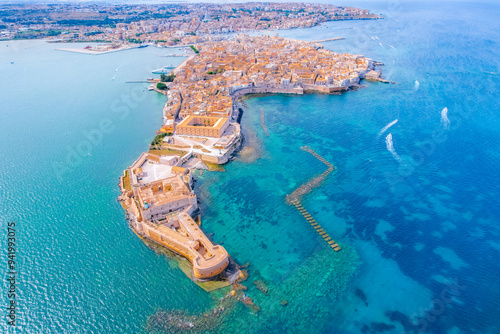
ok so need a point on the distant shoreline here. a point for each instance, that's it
(97, 52)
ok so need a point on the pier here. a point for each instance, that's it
(329, 39)
(295, 197)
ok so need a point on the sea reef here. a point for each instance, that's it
(274, 308)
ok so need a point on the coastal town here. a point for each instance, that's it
(201, 129)
(161, 25)
(250, 167)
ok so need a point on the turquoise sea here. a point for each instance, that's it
(418, 225)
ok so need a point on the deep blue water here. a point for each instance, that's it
(423, 223)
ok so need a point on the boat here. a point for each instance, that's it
(163, 70)
(151, 87)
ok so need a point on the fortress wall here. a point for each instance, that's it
(214, 270)
(163, 209)
(201, 269)
(324, 89)
(261, 90)
(167, 241)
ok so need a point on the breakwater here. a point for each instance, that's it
(313, 183)
(317, 227)
(329, 39)
(295, 197)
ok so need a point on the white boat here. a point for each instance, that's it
(163, 70)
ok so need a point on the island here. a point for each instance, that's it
(201, 129)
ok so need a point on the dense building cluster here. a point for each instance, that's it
(166, 24)
(206, 84)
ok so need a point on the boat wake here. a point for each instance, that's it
(445, 122)
(384, 129)
(390, 147)
(417, 85)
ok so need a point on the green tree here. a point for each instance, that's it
(161, 86)
(158, 139)
(134, 40)
(194, 49)
(167, 78)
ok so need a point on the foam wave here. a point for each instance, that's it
(445, 122)
(384, 129)
(390, 147)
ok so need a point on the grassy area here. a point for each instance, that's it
(178, 146)
(32, 34)
(126, 181)
(158, 139)
(167, 152)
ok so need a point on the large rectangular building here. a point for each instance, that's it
(202, 126)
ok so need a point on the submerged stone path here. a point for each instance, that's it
(294, 198)
(262, 122)
(313, 183)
